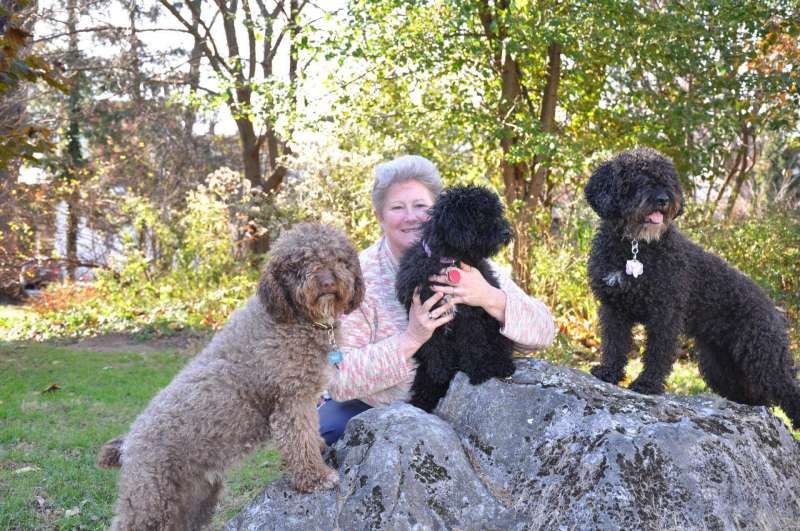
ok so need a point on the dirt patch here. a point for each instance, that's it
(187, 343)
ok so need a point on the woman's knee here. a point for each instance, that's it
(333, 418)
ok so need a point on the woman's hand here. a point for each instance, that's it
(473, 290)
(422, 320)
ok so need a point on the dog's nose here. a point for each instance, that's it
(327, 281)
(662, 199)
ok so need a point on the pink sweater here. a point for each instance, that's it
(373, 369)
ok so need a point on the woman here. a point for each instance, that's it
(378, 340)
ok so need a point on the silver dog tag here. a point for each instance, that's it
(634, 268)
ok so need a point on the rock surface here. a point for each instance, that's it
(552, 448)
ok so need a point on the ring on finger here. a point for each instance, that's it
(453, 275)
(430, 316)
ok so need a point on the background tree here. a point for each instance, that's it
(536, 91)
(21, 139)
(516, 81)
(690, 89)
(245, 67)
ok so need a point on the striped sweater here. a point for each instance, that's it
(373, 369)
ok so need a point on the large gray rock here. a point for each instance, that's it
(553, 448)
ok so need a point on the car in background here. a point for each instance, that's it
(38, 273)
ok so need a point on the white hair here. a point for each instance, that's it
(401, 169)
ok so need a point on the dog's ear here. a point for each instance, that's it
(358, 284)
(602, 189)
(273, 296)
(679, 197)
(498, 234)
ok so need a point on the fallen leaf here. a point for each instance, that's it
(53, 387)
(26, 469)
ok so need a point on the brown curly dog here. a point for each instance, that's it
(258, 379)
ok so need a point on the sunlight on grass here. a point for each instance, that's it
(244, 481)
(49, 439)
(14, 316)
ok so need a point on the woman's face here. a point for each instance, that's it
(404, 210)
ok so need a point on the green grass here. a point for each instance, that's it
(11, 316)
(48, 440)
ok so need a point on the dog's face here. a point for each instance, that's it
(313, 274)
(639, 191)
(467, 223)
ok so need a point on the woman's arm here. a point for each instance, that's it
(372, 364)
(528, 322)
(523, 319)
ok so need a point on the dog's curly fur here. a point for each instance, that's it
(258, 379)
(740, 337)
(466, 224)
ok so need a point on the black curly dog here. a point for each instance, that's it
(466, 226)
(740, 337)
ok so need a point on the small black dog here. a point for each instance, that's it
(643, 270)
(466, 226)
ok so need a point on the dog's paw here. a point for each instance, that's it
(646, 387)
(607, 374)
(477, 379)
(615, 278)
(507, 371)
(326, 478)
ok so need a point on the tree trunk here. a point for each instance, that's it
(251, 152)
(274, 144)
(73, 219)
(741, 155)
(747, 164)
(74, 157)
(135, 51)
(523, 181)
(189, 115)
(526, 186)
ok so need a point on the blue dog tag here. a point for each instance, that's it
(335, 357)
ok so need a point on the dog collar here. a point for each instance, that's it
(426, 248)
(444, 259)
(452, 273)
(335, 354)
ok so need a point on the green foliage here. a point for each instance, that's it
(768, 251)
(690, 85)
(190, 274)
(330, 185)
(699, 80)
(558, 268)
(18, 68)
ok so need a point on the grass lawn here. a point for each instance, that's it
(49, 435)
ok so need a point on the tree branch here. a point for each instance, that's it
(217, 63)
(251, 39)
